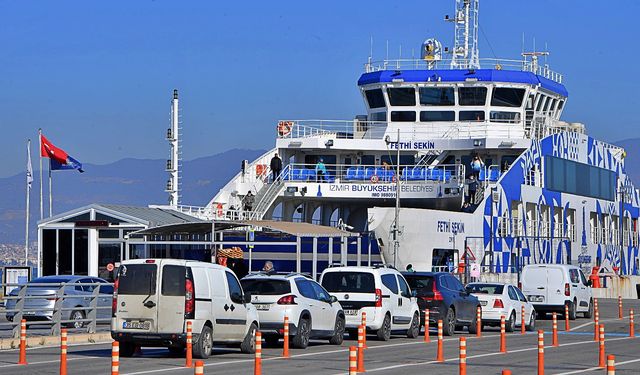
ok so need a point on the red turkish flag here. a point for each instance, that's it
(48, 150)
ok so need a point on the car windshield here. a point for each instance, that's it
(354, 282)
(485, 288)
(263, 287)
(420, 283)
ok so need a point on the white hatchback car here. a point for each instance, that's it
(499, 299)
(382, 292)
(312, 312)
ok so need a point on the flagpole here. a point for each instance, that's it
(40, 153)
(50, 192)
(29, 180)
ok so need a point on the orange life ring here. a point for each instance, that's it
(284, 128)
(374, 178)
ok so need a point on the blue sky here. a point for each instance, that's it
(98, 76)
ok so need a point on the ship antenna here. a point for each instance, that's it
(465, 49)
(173, 164)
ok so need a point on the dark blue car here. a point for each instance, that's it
(446, 298)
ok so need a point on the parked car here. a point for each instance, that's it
(75, 304)
(447, 300)
(551, 287)
(155, 298)
(379, 291)
(312, 312)
(498, 300)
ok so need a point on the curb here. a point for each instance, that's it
(82, 338)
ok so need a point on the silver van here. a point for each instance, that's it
(154, 298)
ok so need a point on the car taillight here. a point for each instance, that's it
(378, 298)
(114, 303)
(437, 296)
(189, 299)
(520, 285)
(497, 304)
(567, 289)
(287, 300)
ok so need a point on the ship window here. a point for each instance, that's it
(375, 98)
(546, 105)
(428, 116)
(511, 117)
(562, 175)
(378, 116)
(540, 102)
(403, 116)
(471, 116)
(402, 96)
(472, 95)
(560, 105)
(507, 97)
(436, 96)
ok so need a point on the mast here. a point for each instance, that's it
(396, 221)
(173, 164)
(465, 53)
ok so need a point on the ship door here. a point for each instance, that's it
(445, 260)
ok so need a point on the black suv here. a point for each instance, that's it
(446, 298)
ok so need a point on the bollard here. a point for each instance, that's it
(601, 347)
(503, 335)
(63, 351)
(360, 367)
(426, 326)
(353, 369)
(22, 358)
(632, 332)
(540, 352)
(566, 318)
(522, 324)
(555, 330)
(619, 307)
(479, 321)
(463, 356)
(257, 366)
(115, 358)
(611, 364)
(199, 369)
(596, 326)
(285, 346)
(595, 304)
(364, 324)
(189, 355)
(506, 372)
(440, 352)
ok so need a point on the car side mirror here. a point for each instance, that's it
(414, 293)
(333, 299)
(246, 298)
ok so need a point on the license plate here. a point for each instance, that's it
(137, 325)
(536, 298)
(350, 312)
(483, 303)
(261, 306)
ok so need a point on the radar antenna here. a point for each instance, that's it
(465, 49)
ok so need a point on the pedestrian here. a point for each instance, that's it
(476, 166)
(276, 166)
(248, 201)
(321, 171)
(473, 189)
(268, 267)
(410, 268)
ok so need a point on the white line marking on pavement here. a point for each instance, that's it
(51, 361)
(598, 368)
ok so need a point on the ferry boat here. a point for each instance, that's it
(457, 160)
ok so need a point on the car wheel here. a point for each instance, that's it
(203, 346)
(532, 322)
(384, 333)
(248, 345)
(77, 317)
(414, 329)
(572, 310)
(127, 349)
(176, 351)
(511, 323)
(338, 333)
(449, 326)
(301, 340)
(473, 327)
(589, 313)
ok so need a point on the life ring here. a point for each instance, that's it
(374, 179)
(219, 210)
(284, 128)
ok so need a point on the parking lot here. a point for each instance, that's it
(577, 354)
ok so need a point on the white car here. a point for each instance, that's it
(382, 292)
(551, 287)
(499, 299)
(312, 312)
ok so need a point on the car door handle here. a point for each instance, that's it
(149, 304)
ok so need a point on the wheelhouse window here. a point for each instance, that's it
(472, 95)
(436, 96)
(507, 97)
(375, 98)
(471, 116)
(378, 116)
(431, 116)
(402, 96)
(509, 117)
(403, 116)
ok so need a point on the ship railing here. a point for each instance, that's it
(345, 129)
(445, 64)
(372, 173)
(204, 213)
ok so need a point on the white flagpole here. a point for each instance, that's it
(50, 192)
(40, 153)
(29, 182)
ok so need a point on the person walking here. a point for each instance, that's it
(276, 166)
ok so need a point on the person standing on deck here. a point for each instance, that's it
(276, 166)
(321, 171)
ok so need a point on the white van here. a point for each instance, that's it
(549, 287)
(154, 298)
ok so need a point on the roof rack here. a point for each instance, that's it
(384, 265)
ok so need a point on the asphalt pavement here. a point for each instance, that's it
(577, 354)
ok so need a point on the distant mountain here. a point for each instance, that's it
(137, 182)
(632, 161)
